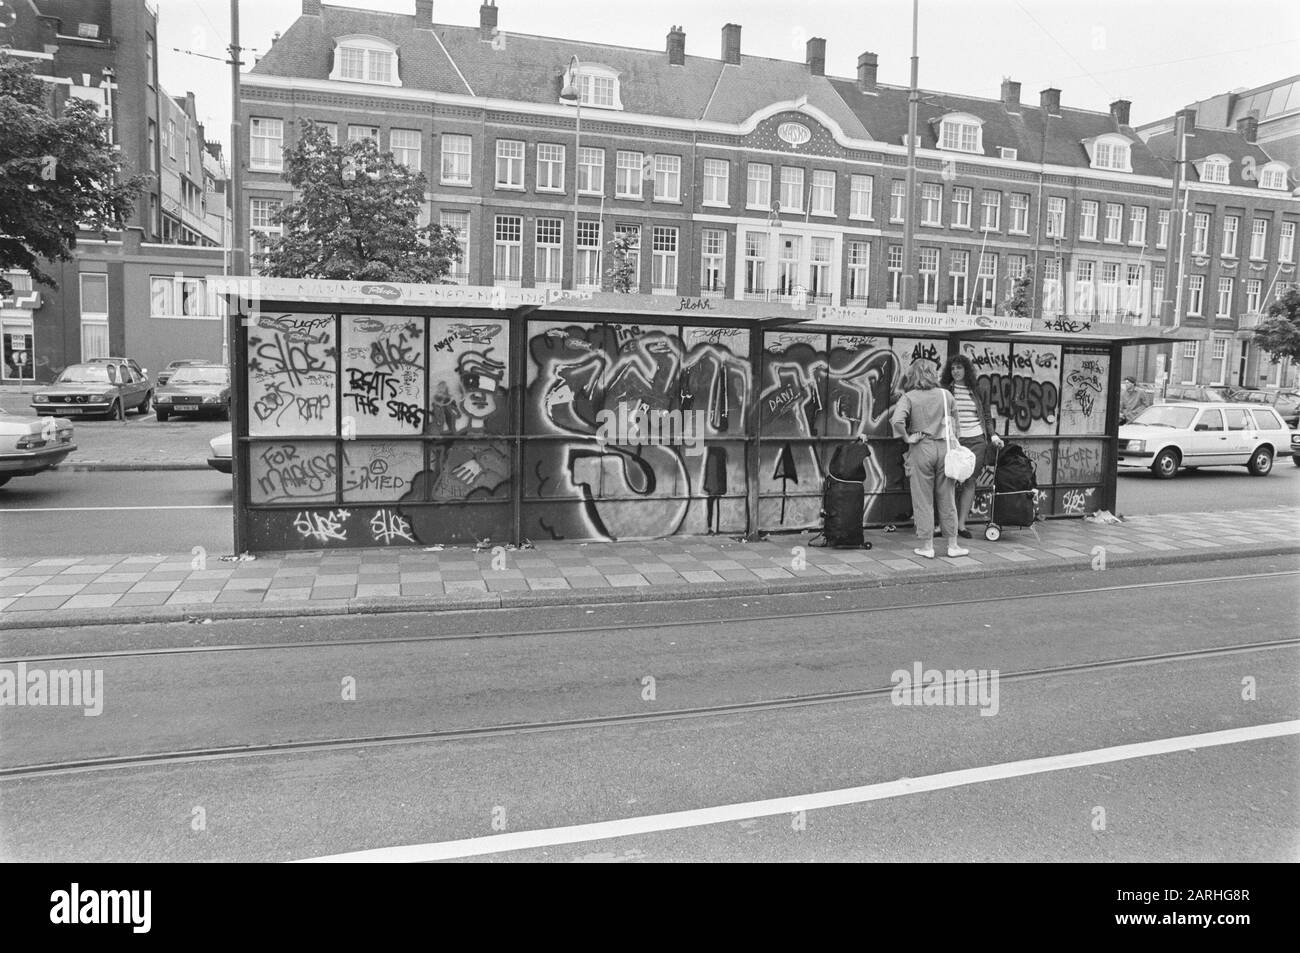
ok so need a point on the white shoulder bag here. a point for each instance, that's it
(958, 462)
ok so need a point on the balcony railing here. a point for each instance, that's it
(1249, 321)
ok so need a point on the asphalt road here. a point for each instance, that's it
(73, 514)
(1087, 662)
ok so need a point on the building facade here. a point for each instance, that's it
(139, 293)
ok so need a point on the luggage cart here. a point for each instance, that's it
(1007, 506)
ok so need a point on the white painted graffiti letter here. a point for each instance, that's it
(387, 526)
(323, 527)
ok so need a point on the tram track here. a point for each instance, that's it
(232, 752)
(748, 619)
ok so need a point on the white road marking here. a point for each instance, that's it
(106, 509)
(678, 820)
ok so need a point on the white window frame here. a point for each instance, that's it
(1162, 228)
(507, 249)
(459, 222)
(986, 281)
(1219, 357)
(358, 133)
(1274, 175)
(373, 52)
(588, 263)
(510, 159)
(894, 268)
(591, 174)
(792, 179)
(1286, 243)
(170, 296)
(1114, 223)
(962, 132)
(1137, 225)
(897, 200)
(822, 193)
(668, 178)
(1213, 169)
(1056, 216)
(457, 163)
(1134, 278)
(1085, 287)
(862, 190)
(410, 156)
(548, 253)
(931, 204)
(1254, 295)
(990, 211)
(717, 182)
(713, 263)
(757, 249)
(1223, 308)
(927, 270)
(623, 228)
(1258, 239)
(1200, 233)
(629, 174)
(1195, 295)
(1190, 350)
(551, 160)
(1089, 213)
(857, 270)
(599, 87)
(1019, 213)
(664, 247)
(758, 186)
(963, 197)
(265, 144)
(1112, 153)
(1053, 287)
(1108, 306)
(1228, 243)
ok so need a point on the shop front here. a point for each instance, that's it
(398, 415)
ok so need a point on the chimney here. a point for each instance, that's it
(487, 20)
(731, 44)
(677, 46)
(311, 8)
(816, 57)
(867, 65)
(1050, 101)
(423, 12)
(1119, 109)
(1011, 94)
(1248, 126)
(1189, 117)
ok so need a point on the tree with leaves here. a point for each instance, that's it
(1279, 334)
(623, 249)
(355, 217)
(59, 175)
(1019, 304)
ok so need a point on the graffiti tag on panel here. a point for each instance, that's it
(293, 472)
(1079, 461)
(1083, 393)
(378, 472)
(292, 371)
(1020, 385)
(383, 375)
(468, 377)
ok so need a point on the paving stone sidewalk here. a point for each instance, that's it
(95, 589)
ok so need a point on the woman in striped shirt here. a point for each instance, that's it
(974, 429)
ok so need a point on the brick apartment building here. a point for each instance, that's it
(140, 293)
(753, 178)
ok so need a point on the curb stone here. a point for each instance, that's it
(455, 602)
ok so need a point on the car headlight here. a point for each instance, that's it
(212, 399)
(1136, 446)
(107, 396)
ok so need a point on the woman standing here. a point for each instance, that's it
(919, 418)
(974, 429)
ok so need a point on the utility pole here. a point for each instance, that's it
(238, 217)
(1174, 248)
(913, 100)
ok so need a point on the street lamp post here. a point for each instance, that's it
(572, 92)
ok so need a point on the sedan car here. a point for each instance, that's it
(96, 387)
(29, 445)
(222, 459)
(166, 373)
(193, 390)
(1286, 402)
(1170, 437)
(1216, 393)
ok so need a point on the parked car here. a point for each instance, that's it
(102, 386)
(195, 389)
(1217, 393)
(29, 445)
(165, 374)
(222, 458)
(1295, 448)
(1287, 402)
(1170, 437)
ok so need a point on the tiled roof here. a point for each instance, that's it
(306, 48)
(1208, 142)
(529, 69)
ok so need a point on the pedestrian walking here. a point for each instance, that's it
(1131, 401)
(920, 418)
(974, 429)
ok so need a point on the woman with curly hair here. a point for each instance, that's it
(974, 429)
(920, 418)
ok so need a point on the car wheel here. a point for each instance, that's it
(160, 414)
(118, 412)
(1261, 462)
(144, 404)
(1166, 464)
(1296, 459)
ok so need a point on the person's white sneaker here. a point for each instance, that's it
(954, 550)
(925, 551)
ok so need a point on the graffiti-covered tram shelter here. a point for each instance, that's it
(386, 415)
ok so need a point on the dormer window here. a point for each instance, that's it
(365, 59)
(1274, 176)
(961, 132)
(597, 85)
(1110, 152)
(1214, 169)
